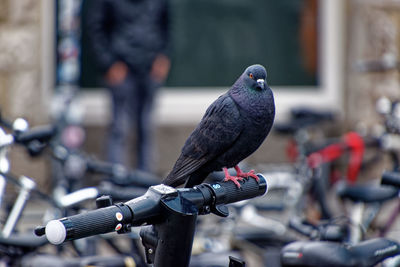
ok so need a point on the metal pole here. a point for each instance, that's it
(27, 185)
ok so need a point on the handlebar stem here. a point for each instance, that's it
(162, 242)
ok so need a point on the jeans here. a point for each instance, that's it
(132, 105)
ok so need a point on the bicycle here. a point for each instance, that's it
(360, 253)
(15, 244)
(170, 213)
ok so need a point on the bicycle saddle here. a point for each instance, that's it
(325, 253)
(367, 193)
(295, 125)
(304, 112)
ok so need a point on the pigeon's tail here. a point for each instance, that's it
(196, 178)
(173, 181)
(192, 179)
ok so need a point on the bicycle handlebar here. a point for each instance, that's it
(34, 140)
(23, 135)
(391, 178)
(149, 208)
(41, 133)
(94, 222)
(120, 175)
(116, 173)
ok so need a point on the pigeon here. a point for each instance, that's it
(233, 127)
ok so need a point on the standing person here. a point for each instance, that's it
(130, 41)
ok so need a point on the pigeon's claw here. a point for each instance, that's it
(234, 179)
(240, 173)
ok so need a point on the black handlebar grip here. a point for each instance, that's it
(391, 178)
(121, 193)
(101, 167)
(94, 222)
(228, 192)
(41, 133)
(142, 178)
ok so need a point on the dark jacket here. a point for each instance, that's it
(132, 31)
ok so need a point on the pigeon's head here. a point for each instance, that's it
(255, 77)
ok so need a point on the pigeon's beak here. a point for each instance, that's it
(260, 83)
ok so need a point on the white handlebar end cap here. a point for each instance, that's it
(55, 232)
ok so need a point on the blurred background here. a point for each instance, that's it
(339, 57)
(312, 50)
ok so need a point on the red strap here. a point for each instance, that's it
(326, 154)
(352, 141)
(291, 151)
(356, 144)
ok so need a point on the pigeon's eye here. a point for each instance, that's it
(251, 75)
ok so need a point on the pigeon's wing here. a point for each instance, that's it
(217, 131)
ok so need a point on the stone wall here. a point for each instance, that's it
(21, 87)
(373, 42)
(373, 37)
